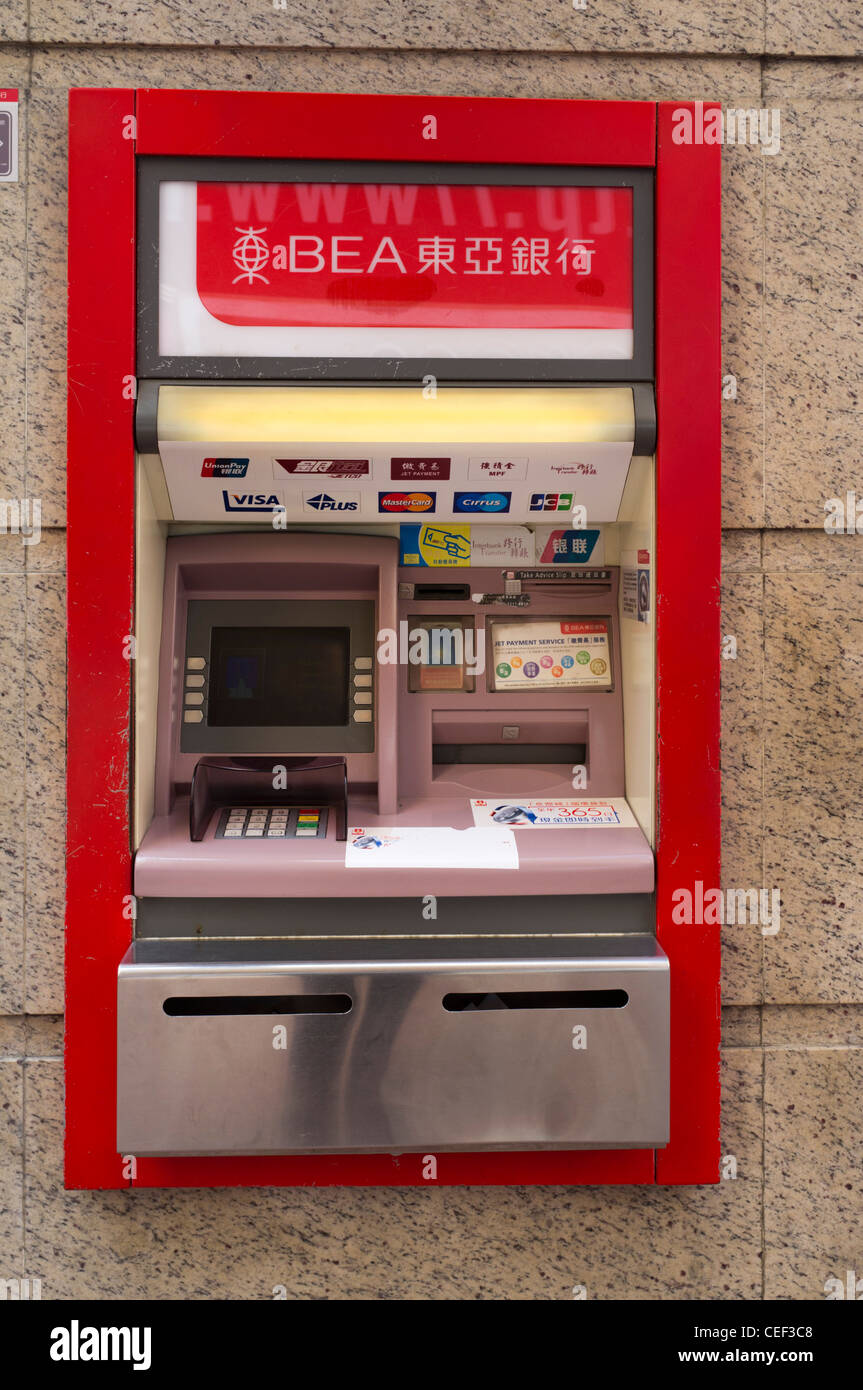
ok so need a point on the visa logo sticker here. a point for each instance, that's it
(435, 547)
(551, 502)
(326, 502)
(224, 468)
(250, 502)
(481, 502)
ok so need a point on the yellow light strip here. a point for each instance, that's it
(395, 414)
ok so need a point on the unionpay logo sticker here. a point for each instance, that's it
(224, 468)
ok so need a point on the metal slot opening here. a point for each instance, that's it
(538, 999)
(239, 1005)
(432, 592)
(448, 753)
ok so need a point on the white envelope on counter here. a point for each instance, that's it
(430, 847)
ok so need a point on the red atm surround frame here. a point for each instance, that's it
(108, 128)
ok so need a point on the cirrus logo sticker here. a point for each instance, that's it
(406, 501)
(481, 501)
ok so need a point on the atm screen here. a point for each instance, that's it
(279, 676)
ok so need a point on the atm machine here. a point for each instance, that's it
(393, 764)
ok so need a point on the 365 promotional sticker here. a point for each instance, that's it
(530, 813)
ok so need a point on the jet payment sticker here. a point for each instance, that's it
(551, 654)
(520, 813)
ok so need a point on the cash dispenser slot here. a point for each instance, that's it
(512, 737)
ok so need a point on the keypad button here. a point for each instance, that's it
(254, 830)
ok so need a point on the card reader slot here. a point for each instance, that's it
(432, 593)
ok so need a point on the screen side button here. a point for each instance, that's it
(362, 716)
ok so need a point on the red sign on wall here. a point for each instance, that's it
(415, 255)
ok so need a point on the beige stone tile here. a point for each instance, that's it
(742, 778)
(742, 1124)
(44, 1035)
(741, 1025)
(331, 1243)
(814, 1170)
(46, 823)
(13, 201)
(34, 1035)
(13, 668)
(49, 556)
(46, 303)
(547, 25)
(13, 553)
(735, 80)
(813, 1025)
(786, 79)
(741, 552)
(826, 29)
(813, 303)
(13, 25)
(11, 1169)
(813, 776)
(813, 552)
(743, 334)
(13, 1032)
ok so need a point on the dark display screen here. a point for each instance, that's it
(284, 677)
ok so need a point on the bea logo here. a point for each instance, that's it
(250, 502)
(406, 501)
(481, 502)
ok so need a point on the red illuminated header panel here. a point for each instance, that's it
(355, 269)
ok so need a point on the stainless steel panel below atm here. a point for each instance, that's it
(387, 1046)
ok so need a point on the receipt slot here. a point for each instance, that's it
(394, 465)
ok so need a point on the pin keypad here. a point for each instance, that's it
(272, 823)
